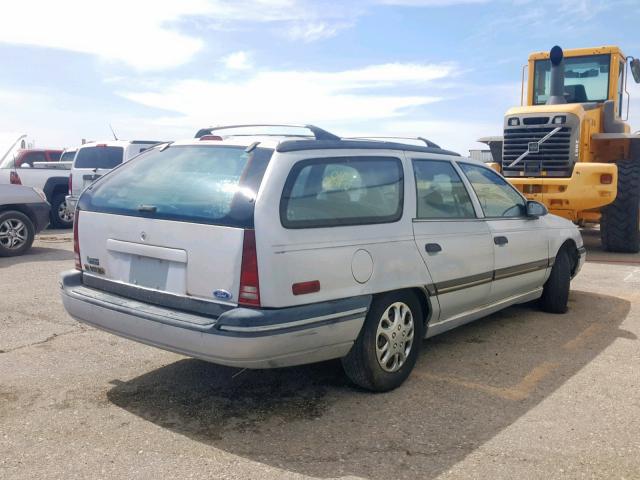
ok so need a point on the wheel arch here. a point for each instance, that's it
(570, 246)
(424, 298)
(19, 208)
(54, 186)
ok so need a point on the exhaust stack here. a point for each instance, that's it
(556, 94)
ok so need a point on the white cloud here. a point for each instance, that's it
(144, 33)
(349, 96)
(137, 33)
(428, 3)
(237, 61)
(313, 31)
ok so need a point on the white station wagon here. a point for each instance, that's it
(264, 251)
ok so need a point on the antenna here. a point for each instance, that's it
(113, 132)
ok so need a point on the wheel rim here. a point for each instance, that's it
(64, 214)
(394, 337)
(13, 234)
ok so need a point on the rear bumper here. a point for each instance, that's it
(72, 201)
(239, 337)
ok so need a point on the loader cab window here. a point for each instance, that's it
(621, 87)
(586, 79)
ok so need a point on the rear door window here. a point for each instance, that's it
(99, 157)
(199, 184)
(440, 191)
(342, 191)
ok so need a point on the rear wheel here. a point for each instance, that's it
(555, 294)
(620, 223)
(16, 233)
(61, 217)
(386, 350)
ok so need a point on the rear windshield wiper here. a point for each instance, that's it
(148, 208)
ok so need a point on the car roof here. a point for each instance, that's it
(120, 143)
(37, 150)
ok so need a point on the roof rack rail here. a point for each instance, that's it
(316, 132)
(427, 142)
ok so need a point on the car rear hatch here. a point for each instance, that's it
(91, 162)
(174, 222)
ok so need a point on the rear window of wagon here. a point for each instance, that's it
(199, 184)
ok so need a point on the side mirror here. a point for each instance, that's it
(635, 69)
(536, 209)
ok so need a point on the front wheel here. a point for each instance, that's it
(16, 233)
(387, 348)
(555, 294)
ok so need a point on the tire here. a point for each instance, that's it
(620, 223)
(387, 320)
(60, 216)
(16, 233)
(555, 294)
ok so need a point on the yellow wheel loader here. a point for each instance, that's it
(569, 146)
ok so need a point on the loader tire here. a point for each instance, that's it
(620, 223)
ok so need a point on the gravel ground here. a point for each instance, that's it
(520, 394)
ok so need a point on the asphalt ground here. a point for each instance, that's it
(520, 394)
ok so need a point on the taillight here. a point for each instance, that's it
(70, 184)
(211, 137)
(249, 286)
(14, 178)
(76, 243)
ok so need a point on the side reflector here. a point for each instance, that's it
(606, 179)
(305, 287)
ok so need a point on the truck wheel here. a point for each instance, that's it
(386, 350)
(555, 294)
(61, 217)
(16, 233)
(620, 223)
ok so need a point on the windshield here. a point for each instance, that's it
(200, 184)
(99, 157)
(586, 79)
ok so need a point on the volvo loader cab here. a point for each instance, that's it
(569, 146)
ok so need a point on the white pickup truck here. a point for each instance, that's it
(52, 177)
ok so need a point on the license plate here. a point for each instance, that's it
(149, 272)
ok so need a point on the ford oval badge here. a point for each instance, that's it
(222, 295)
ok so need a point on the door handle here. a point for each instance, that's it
(433, 247)
(500, 240)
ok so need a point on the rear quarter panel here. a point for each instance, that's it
(288, 256)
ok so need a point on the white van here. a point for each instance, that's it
(94, 159)
(263, 252)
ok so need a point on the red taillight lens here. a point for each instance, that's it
(249, 286)
(14, 178)
(606, 179)
(70, 184)
(304, 288)
(76, 243)
(211, 137)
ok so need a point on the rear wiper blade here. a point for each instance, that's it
(148, 208)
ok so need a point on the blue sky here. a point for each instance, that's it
(444, 69)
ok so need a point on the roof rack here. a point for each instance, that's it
(427, 142)
(316, 132)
